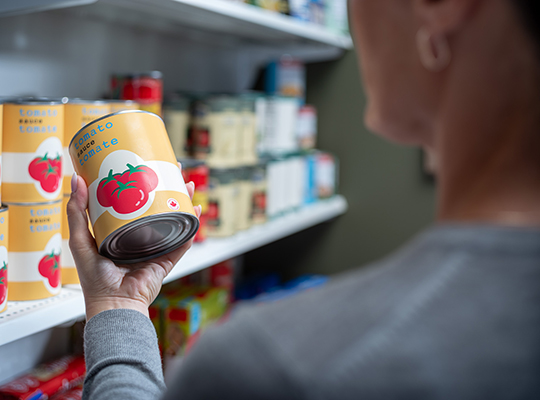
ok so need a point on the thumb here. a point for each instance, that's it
(80, 238)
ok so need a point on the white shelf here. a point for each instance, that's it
(24, 318)
(237, 19)
(213, 251)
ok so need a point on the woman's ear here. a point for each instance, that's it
(443, 17)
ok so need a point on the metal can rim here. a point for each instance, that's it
(108, 116)
(38, 101)
(85, 101)
(104, 251)
(10, 203)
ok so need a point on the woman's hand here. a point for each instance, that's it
(107, 285)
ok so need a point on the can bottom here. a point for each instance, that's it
(149, 237)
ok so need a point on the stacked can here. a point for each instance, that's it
(77, 113)
(33, 131)
(215, 129)
(198, 172)
(3, 235)
(4, 224)
(145, 88)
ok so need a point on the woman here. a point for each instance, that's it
(455, 314)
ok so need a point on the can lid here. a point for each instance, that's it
(40, 101)
(149, 74)
(77, 100)
(149, 237)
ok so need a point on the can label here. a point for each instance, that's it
(34, 250)
(130, 175)
(69, 271)
(4, 223)
(32, 158)
(77, 115)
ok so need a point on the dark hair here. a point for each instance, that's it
(529, 11)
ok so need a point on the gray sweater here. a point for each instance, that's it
(453, 315)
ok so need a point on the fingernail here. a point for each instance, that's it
(74, 182)
(192, 183)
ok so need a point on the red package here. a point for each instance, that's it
(46, 380)
(72, 394)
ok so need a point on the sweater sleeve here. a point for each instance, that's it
(235, 361)
(122, 357)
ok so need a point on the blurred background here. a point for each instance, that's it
(289, 64)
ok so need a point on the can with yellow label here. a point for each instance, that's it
(69, 271)
(33, 132)
(4, 224)
(35, 246)
(138, 202)
(122, 105)
(78, 113)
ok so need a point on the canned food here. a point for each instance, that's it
(216, 131)
(69, 271)
(145, 88)
(176, 117)
(32, 160)
(222, 196)
(243, 202)
(258, 199)
(121, 105)
(4, 225)
(138, 202)
(78, 113)
(198, 172)
(247, 148)
(35, 246)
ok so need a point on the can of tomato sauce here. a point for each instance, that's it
(69, 271)
(121, 105)
(4, 225)
(33, 132)
(34, 248)
(139, 206)
(78, 113)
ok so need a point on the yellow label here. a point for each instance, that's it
(35, 247)
(23, 291)
(4, 224)
(35, 226)
(131, 171)
(32, 153)
(77, 115)
(70, 276)
(65, 225)
(151, 107)
(27, 126)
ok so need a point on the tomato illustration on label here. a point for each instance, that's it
(49, 267)
(129, 191)
(47, 171)
(3, 282)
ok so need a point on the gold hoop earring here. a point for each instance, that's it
(434, 51)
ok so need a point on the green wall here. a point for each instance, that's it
(389, 198)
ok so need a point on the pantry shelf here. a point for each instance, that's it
(24, 318)
(236, 18)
